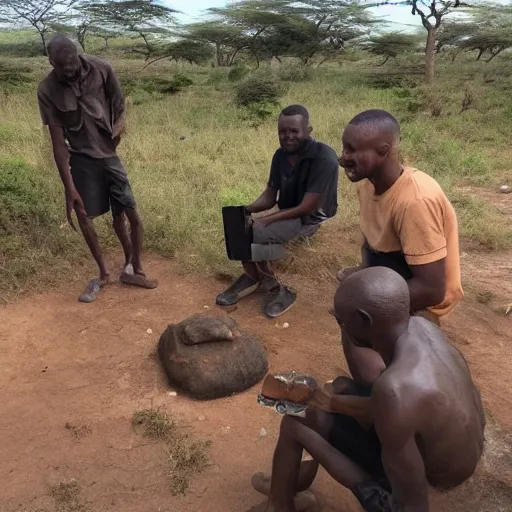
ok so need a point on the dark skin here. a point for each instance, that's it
(436, 435)
(63, 57)
(372, 154)
(293, 132)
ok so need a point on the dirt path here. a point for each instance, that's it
(92, 366)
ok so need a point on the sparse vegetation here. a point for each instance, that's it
(186, 457)
(67, 497)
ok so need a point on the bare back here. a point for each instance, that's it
(437, 393)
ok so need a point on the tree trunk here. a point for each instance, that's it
(385, 60)
(43, 40)
(218, 54)
(480, 53)
(430, 55)
(496, 52)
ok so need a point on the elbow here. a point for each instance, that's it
(434, 295)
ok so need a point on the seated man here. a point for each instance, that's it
(407, 222)
(421, 423)
(304, 184)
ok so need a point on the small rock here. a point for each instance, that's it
(149, 331)
(263, 432)
(286, 325)
(505, 189)
(206, 307)
(173, 393)
(464, 255)
(83, 332)
(200, 417)
(225, 430)
(182, 137)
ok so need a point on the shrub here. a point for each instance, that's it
(237, 73)
(257, 89)
(295, 74)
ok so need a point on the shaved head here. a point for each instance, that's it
(60, 44)
(63, 54)
(371, 303)
(379, 122)
(370, 144)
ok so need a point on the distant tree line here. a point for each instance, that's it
(311, 31)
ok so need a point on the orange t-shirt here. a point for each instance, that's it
(416, 218)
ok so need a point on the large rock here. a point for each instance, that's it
(208, 357)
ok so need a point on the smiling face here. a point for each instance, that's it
(365, 152)
(293, 133)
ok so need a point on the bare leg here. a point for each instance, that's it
(121, 229)
(295, 436)
(137, 235)
(91, 238)
(251, 269)
(307, 475)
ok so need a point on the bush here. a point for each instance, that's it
(237, 73)
(295, 74)
(392, 81)
(180, 80)
(257, 89)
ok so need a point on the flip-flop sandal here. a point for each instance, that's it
(138, 280)
(91, 292)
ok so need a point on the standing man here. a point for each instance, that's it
(303, 183)
(408, 225)
(82, 104)
(420, 424)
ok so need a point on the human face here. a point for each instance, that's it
(293, 133)
(67, 65)
(362, 155)
(355, 327)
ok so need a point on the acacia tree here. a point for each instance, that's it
(391, 44)
(144, 19)
(39, 14)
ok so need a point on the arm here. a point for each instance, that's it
(401, 458)
(116, 96)
(308, 205)
(357, 407)
(427, 287)
(61, 156)
(421, 231)
(266, 201)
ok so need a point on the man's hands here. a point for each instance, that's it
(74, 202)
(346, 272)
(322, 398)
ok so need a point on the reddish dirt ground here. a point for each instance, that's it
(93, 365)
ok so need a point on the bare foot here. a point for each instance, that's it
(93, 289)
(304, 501)
(138, 279)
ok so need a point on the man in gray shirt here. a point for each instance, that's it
(81, 102)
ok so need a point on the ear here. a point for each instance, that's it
(384, 149)
(310, 129)
(365, 318)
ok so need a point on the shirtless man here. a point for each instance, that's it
(83, 106)
(423, 418)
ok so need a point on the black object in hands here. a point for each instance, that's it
(237, 232)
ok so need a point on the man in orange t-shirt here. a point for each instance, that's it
(408, 225)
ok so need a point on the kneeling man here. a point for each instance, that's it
(420, 423)
(303, 183)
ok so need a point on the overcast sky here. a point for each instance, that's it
(399, 16)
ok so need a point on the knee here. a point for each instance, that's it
(343, 386)
(133, 217)
(288, 427)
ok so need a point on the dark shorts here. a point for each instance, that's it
(363, 447)
(102, 184)
(268, 242)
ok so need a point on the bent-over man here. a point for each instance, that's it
(81, 102)
(420, 423)
(407, 222)
(303, 183)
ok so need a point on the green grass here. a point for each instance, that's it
(191, 152)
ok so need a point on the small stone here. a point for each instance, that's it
(149, 331)
(83, 332)
(286, 325)
(206, 307)
(505, 189)
(263, 432)
(173, 393)
(225, 430)
(182, 137)
(200, 417)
